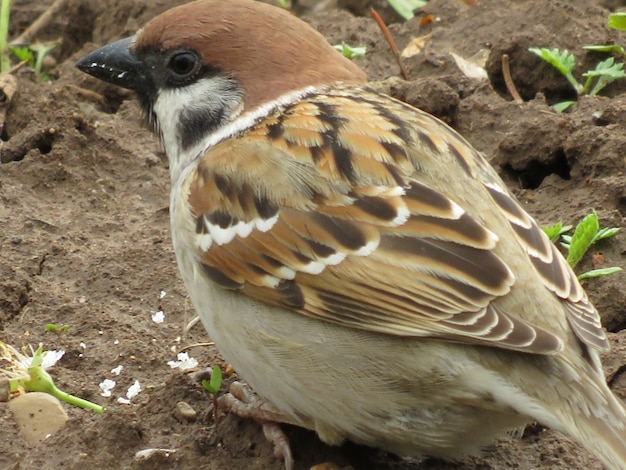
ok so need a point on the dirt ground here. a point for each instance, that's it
(85, 240)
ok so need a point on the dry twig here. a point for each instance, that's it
(508, 81)
(392, 44)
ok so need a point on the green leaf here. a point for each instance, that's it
(56, 328)
(213, 386)
(605, 233)
(351, 52)
(23, 53)
(605, 72)
(599, 273)
(563, 61)
(582, 238)
(617, 21)
(563, 106)
(610, 48)
(555, 231)
(405, 8)
(607, 68)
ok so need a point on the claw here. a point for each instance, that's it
(245, 403)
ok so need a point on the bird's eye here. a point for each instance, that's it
(183, 64)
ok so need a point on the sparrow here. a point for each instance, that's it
(363, 268)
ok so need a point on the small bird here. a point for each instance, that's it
(362, 267)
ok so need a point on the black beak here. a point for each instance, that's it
(115, 64)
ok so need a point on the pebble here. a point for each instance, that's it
(185, 411)
(37, 415)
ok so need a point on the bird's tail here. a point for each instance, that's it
(597, 422)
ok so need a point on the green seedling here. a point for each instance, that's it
(283, 3)
(587, 233)
(405, 8)
(605, 72)
(351, 52)
(41, 50)
(555, 231)
(34, 55)
(597, 79)
(29, 374)
(213, 387)
(57, 328)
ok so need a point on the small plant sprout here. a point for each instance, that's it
(34, 54)
(28, 373)
(597, 79)
(57, 328)
(587, 233)
(605, 72)
(41, 50)
(351, 52)
(213, 387)
(405, 8)
(555, 231)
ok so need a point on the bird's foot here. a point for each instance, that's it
(245, 403)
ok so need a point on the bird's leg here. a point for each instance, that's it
(245, 403)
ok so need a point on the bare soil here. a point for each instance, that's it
(85, 240)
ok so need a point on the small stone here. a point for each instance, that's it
(185, 411)
(5, 389)
(37, 415)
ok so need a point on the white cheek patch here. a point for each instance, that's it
(213, 96)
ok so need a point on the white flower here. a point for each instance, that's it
(106, 386)
(132, 392)
(158, 316)
(51, 357)
(184, 362)
(17, 364)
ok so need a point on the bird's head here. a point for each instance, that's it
(198, 67)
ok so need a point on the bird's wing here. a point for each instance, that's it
(332, 207)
